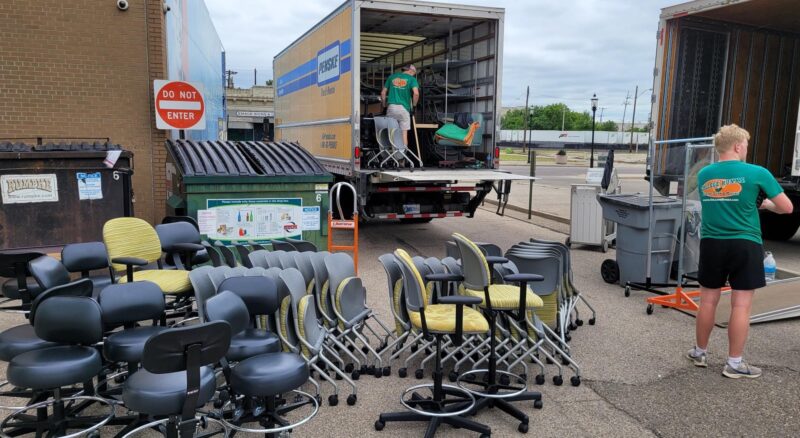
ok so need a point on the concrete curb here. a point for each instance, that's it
(548, 216)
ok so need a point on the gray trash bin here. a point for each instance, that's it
(631, 213)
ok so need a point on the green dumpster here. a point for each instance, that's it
(243, 192)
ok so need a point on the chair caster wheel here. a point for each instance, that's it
(522, 428)
(523, 376)
(338, 377)
(453, 376)
(558, 380)
(504, 379)
(538, 404)
(387, 371)
(119, 379)
(333, 400)
(568, 337)
(414, 348)
(540, 379)
(319, 399)
(363, 369)
(591, 321)
(485, 435)
(402, 372)
(627, 291)
(575, 380)
(351, 399)
(377, 372)
(419, 373)
(349, 368)
(564, 361)
(355, 375)
(579, 322)
(370, 369)
(649, 309)
(379, 425)
(365, 350)
(549, 361)
(573, 326)
(218, 404)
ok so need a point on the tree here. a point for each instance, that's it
(608, 125)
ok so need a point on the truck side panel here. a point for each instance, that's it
(313, 99)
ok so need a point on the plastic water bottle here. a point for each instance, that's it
(769, 267)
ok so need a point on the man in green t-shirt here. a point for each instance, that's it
(403, 94)
(730, 247)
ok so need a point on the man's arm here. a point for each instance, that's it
(780, 204)
(383, 97)
(415, 99)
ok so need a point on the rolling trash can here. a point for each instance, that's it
(631, 214)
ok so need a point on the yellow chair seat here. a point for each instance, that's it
(505, 297)
(441, 318)
(170, 281)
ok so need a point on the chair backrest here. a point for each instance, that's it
(187, 219)
(282, 245)
(128, 303)
(228, 255)
(84, 257)
(308, 325)
(452, 264)
(15, 265)
(48, 272)
(259, 258)
(218, 275)
(302, 245)
(474, 267)
(544, 264)
(69, 320)
(340, 266)
(274, 259)
(303, 262)
(396, 135)
(229, 307)
(203, 288)
(413, 285)
(287, 259)
(176, 232)
(131, 237)
(320, 270)
(79, 288)
(259, 293)
(166, 352)
(296, 287)
(395, 278)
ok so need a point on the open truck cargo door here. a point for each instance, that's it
(435, 175)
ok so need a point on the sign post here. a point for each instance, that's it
(179, 105)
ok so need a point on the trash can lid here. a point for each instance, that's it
(281, 159)
(639, 201)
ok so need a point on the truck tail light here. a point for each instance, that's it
(357, 152)
(496, 153)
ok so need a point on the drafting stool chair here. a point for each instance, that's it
(176, 378)
(14, 266)
(257, 383)
(451, 317)
(495, 298)
(73, 361)
(87, 257)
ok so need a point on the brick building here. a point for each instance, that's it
(84, 70)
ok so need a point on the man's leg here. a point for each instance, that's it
(709, 298)
(739, 325)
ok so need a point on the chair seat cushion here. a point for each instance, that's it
(164, 394)
(127, 345)
(100, 282)
(506, 297)
(20, 339)
(253, 342)
(11, 291)
(170, 281)
(441, 318)
(54, 367)
(269, 374)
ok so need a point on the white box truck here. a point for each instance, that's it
(733, 61)
(328, 84)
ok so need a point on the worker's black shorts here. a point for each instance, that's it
(739, 262)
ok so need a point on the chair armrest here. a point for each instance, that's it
(444, 277)
(523, 277)
(460, 300)
(492, 260)
(129, 261)
(187, 247)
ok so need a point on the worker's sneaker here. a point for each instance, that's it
(699, 360)
(743, 370)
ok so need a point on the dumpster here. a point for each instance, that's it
(631, 214)
(243, 192)
(54, 194)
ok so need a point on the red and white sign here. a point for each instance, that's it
(179, 105)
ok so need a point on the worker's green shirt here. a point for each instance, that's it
(400, 86)
(728, 193)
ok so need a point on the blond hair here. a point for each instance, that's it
(728, 136)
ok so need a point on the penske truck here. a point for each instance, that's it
(328, 85)
(733, 61)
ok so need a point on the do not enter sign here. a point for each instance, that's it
(179, 105)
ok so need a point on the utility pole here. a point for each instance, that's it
(633, 117)
(626, 103)
(602, 109)
(525, 122)
(563, 115)
(255, 77)
(229, 74)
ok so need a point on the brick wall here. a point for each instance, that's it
(83, 68)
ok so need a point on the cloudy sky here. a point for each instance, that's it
(564, 49)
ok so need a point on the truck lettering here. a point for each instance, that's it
(328, 65)
(328, 141)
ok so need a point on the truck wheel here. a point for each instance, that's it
(779, 226)
(416, 220)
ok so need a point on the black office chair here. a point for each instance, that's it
(260, 296)
(176, 378)
(256, 384)
(87, 257)
(73, 361)
(180, 242)
(14, 266)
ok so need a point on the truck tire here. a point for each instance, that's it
(779, 226)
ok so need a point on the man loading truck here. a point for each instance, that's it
(403, 94)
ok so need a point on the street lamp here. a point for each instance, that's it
(594, 111)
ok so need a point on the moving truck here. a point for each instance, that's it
(328, 84)
(733, 61)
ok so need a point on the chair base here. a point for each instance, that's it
(60, 421)
(170, 428)
(462, 401)
(273, 416)
(433, 422)
(491, 390)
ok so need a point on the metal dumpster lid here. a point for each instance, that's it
(210, 158)
(639, 200)
(7, 146)
(281, 158)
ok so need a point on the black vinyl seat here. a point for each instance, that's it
(269, 374)
(251, 342)
(54, 367)
(85, 258)
(165, 394)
